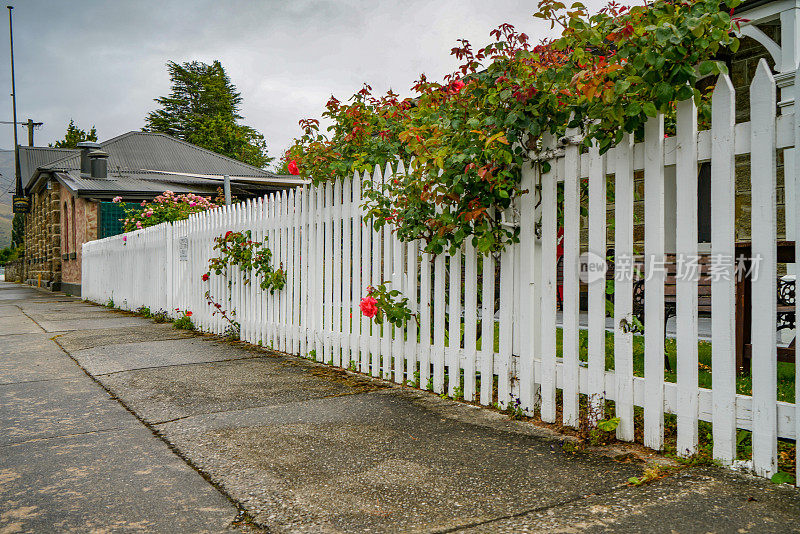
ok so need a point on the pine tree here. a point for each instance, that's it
(17, 230)
(75, 135)
(203, 109)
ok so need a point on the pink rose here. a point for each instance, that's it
(116, 200)
(124, 239)
(369, 307)
(138, 225)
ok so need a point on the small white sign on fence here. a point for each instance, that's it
(183, 248)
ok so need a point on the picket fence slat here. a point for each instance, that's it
(487, 330)
(763, 232)
(654, 283)
(686, 283)
(438, 324)
(797, 301)
(526, 291)
(470, 319)
(623, 287)
(570, 308)
(597, 285)
(485, 325)
(454, 324)
(548, 304)
(425, 351)
(411, 346)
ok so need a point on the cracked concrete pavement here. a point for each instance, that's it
(113, 423)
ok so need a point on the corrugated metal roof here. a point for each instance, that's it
(144, 185)
(136, 151)
(33, 157)
(145, 163)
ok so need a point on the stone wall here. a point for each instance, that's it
(43, 238)
(15, 271)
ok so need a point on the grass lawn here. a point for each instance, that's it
(744, 382)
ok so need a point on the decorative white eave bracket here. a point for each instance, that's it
(772, 47)
(787, 54)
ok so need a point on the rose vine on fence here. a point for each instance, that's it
(253, 258)
(469, 135)
(384, 303)
(237, 249)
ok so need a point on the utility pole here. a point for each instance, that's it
(30, 124)
(20, 202)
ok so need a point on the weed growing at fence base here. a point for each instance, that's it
(184, 321)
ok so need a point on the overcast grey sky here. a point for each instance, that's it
(103, 63)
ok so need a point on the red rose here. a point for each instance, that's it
(292, 166)
(368, 306)
(227, 234)
(205, 277)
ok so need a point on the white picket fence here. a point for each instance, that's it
(330, 256)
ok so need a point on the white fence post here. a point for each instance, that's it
(763, 229)
(654, 282)
(686, 290)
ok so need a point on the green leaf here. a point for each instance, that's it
(650, 109)
(781, 477)
(707, 67)
(608, 425)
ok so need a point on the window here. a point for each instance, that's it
(74, 228)
(65, 240)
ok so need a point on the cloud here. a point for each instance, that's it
(103, 63)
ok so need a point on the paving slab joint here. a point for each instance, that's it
(243, 517)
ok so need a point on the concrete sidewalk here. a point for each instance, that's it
(296, 446)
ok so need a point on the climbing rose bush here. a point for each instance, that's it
(165, 207)
(253, 258)
(470, 134)
(383, 303)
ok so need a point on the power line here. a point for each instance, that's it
(36, 125)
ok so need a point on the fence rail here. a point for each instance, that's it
(488, 325)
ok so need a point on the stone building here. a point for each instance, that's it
(71, 193)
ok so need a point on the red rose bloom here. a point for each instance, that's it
(292, 166)
(205, 277)
(369, 306)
